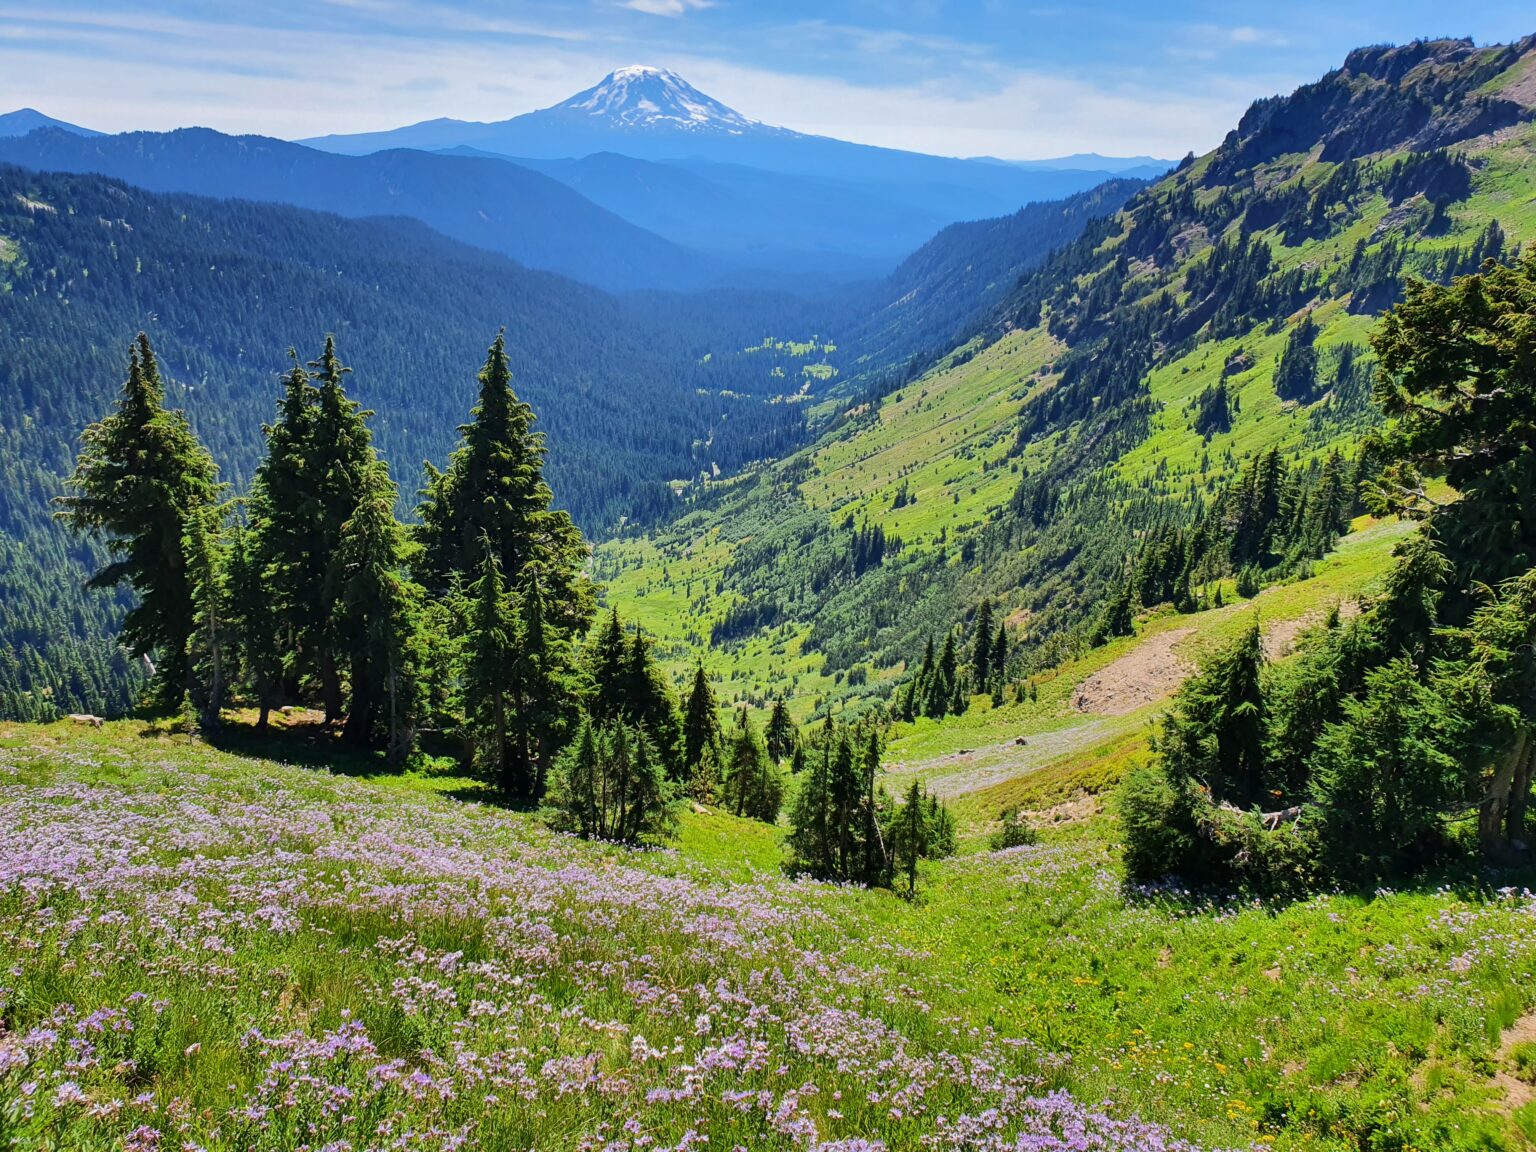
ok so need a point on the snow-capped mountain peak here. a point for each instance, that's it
(642, 97)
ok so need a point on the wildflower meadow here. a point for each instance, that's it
(205, 951)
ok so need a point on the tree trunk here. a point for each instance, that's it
(213, 707)
(1520, 795)
(398, 742)
(1495, 811)
(359, 727)
(330, 687)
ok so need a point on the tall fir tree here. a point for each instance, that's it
(753, 787)
(910, 839)
(490, 670)
(813, 837)
(650, 704)
(1214, 734)
(1382, 776)
(1492, 676)
(141, 478)
(494, 489)
(781, 738)
(378, 622)
(701, 723)
(342, 466)
(284, 546)
(981, 648)
(607, 665)
(1458, 378)
(942, 686)
(544, 693)
(258, 657)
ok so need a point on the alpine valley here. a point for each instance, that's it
(631, 627)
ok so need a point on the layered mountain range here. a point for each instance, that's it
(641, 181)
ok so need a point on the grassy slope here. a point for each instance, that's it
(1343, 1022)
(973, 760)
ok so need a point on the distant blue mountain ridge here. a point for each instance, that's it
(641, 181)
(24, 120)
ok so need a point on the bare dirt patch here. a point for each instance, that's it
(1523, 90)
(1148, 673)
(1154, 669)
(977, 768)
(1517, 1092)
(1280, 637)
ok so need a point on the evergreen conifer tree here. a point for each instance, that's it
(1000, 660)
(753, 787)
(1492, 678)
(650, 705)
(941, 686)
(610, 784)
(544, 696)
(797, 759)
(140, 479)
(1214, 734)
(701, 723)
(910, 834)
(494, 489)
(608, 667)
(342, 468)
(1458, 377)
(812, 837)
(378, 622)
(781, 738)
(981, 648)
(491, 653)
(921, 829)
(1382, 776)
(284, 546)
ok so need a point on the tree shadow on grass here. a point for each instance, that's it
(1461, 876)
(303, 743)
(311, 743)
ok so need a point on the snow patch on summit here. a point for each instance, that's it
(640, 96)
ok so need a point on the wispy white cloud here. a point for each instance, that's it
(1250, 35)
(668, 7)
(1215, 42)
(1018, 114)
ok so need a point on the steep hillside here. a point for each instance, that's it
(1120, 410)
(631, 397)
(943, 293)
(492, 204)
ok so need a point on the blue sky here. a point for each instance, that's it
(964, 77)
